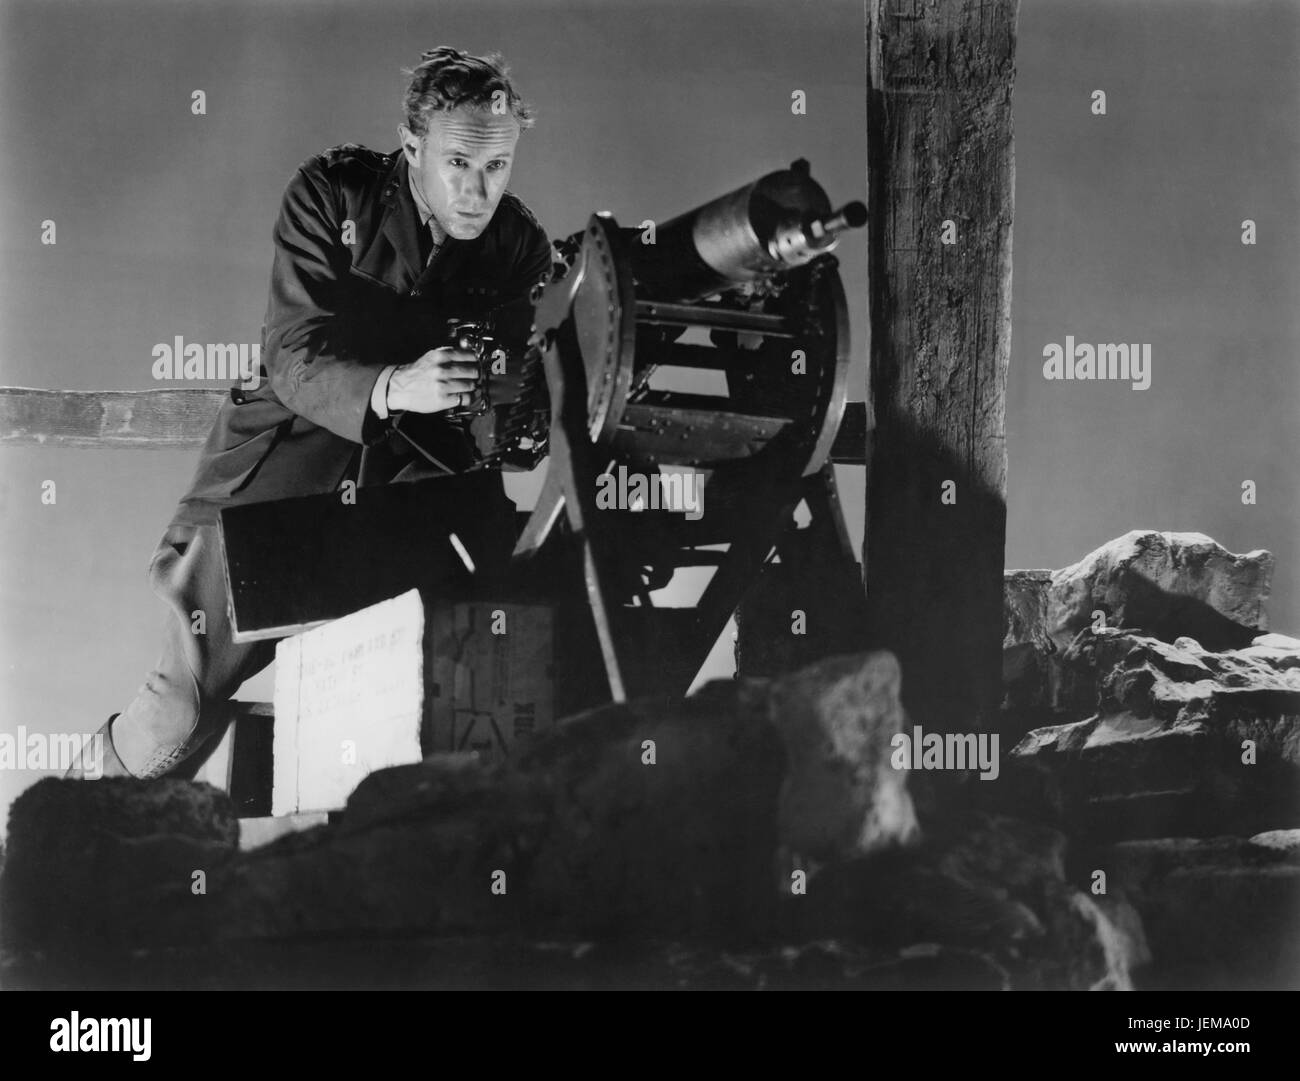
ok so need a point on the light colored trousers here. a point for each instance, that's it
(182, 703)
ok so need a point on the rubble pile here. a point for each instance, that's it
(1166, 735)
(755, 834)
(1143, 832)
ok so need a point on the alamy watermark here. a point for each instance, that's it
(215, 361)
(77, 1033)
(948, 750)
(1084, 361)
(681, 493)
(52, 750)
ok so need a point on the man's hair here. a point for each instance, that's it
(447, 78)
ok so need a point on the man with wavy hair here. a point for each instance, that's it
(372, 252)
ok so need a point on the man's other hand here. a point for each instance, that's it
(441, 379)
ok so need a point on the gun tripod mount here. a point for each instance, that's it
(715, 349)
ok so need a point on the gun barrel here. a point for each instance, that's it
(777, 222)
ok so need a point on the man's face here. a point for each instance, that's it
(462, 165)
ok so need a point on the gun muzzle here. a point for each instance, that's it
(797, 243)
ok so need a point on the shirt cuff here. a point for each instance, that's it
(379, 395)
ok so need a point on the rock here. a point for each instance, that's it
(1017, 854)
(1094, 947)
(1283, 841)
(1277, 641)
(1219, 913)
(429, 869)
(441, 785)
(1183, 740)
(91, 864)
(682, 847)
(55, 812)
(985, 883)
(1166, 585)
(1024, 607)
(741, 769)
(1276, 650)
(1090, 680)
(1180, 588)
(1028, 682)
(841, 796)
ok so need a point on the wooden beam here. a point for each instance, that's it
(139, 420)
(156, 419)
(939, 138)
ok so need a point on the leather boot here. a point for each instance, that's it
(93, 762)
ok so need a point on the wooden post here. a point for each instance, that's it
(940, 168)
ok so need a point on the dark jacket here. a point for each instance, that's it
(338, 313)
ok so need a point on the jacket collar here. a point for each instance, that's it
(393, 255)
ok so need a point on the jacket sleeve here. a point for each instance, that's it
(309, 366)
(532, 264)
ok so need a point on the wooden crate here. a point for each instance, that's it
(398, 680)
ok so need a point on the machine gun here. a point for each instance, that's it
(708, 357)
(739, 297)
(737, 251)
